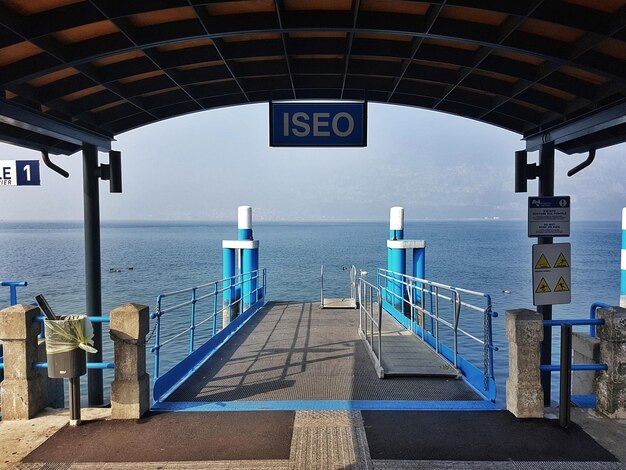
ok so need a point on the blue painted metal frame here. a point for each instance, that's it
(288, 405)
(167, 383)
(472, 375)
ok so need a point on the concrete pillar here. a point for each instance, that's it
(586, 351)
(611, 385)
(524, 395)
(130, 390)
(23, 389)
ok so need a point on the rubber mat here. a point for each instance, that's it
(476, 436)
(171, 437)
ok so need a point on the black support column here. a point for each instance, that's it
(546, 188)
(93, 275)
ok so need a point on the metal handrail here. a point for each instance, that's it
(423, 299)
(370, 318)
(231, 304)
(353, 282)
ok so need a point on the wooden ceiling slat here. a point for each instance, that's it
(473, 15)
(170, 15)
(85, 32)
(240, 7)
(312, 5)
(53, 77)
(395, 6)
(32, 7)
(20, 51)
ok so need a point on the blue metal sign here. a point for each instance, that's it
(301, 124)
(549, 216)
(19, 173)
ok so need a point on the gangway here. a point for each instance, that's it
(340, 302)
(400, 310)
(405, 355)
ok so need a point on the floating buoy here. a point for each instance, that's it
(506, 291)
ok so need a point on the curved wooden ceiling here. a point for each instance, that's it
(110, 66)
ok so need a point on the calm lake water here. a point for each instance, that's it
(490, 256)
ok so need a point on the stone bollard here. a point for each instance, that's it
(23, 390)
(586, 351)
(130, 390)
(611, 384)
(524, 395)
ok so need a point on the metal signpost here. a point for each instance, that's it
(318, 124)
(549, 216)
(19, 173)
(552, 274)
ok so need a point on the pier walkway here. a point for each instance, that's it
(296, 355)
(290, 391)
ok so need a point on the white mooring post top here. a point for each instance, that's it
(244, 214)
(624, 218)
(396, 218)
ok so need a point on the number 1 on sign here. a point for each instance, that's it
(27, 171)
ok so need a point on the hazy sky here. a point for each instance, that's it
(202, 166)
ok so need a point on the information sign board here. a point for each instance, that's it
(19, 173)
(548, 216)
(318, 124)
(552, 274)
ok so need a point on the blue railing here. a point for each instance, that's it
(219, 307)
(434, 311)
(592, 322)
(12, 285)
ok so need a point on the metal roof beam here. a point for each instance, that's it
(431, 16)
(600, 120)
(203, 17)
(356, 6)
(39, 123)
(278, 4)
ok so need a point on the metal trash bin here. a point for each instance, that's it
(67, 342)
(66, 365)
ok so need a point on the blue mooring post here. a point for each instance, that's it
(241, 259)
(249, 257)
(396, 257)
(622, 297)
(419, 271)
(229, 270)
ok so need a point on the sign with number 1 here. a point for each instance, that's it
(19, 173)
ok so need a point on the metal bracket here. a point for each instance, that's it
(583, 165)
(52, 166)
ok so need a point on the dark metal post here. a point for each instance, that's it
(74, 400)
(565, 390)
(546, 188)
(93, 275)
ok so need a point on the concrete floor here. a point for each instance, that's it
(321, 440)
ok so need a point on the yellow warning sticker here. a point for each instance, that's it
(542, 263)
(561, 262)
(543, 287)
(561, 286)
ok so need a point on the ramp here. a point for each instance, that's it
(406, 355)
(339, 303)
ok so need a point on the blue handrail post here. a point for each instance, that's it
(13, 285)
(215, 291)
(157, 337)
(192, 331)
(592, 315)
